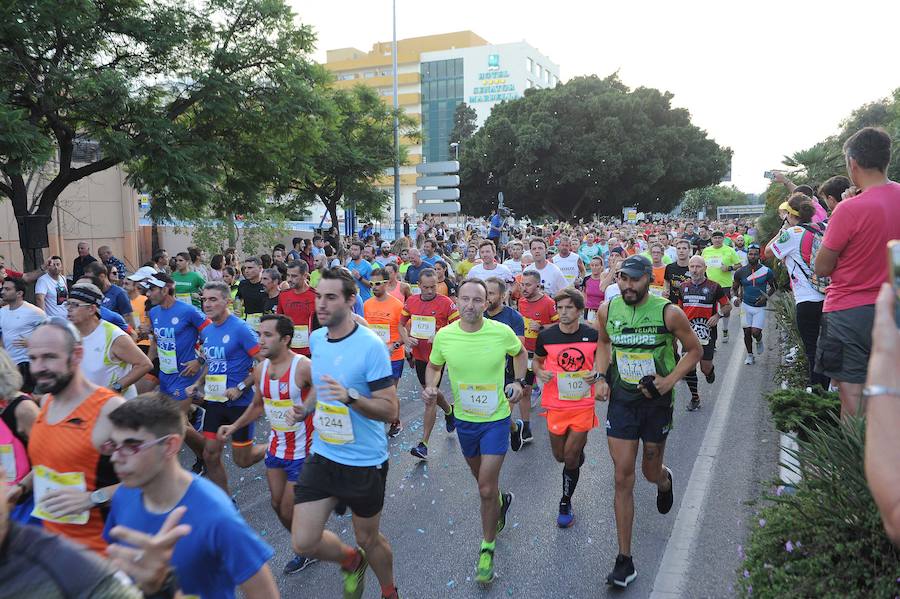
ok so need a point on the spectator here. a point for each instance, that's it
(83, 259)
(831, 191)
(50, 291)
(853, 254)
(161, 261)
(114, 297)
(215, 267)
(110, 261)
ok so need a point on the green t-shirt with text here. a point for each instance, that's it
(715, 259)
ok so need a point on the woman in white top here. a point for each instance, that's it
(786, 246)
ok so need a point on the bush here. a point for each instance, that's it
(796, 410)
(826, 540)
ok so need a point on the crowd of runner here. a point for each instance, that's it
(110, 372)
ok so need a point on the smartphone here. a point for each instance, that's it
(769, 175)
(893, 248)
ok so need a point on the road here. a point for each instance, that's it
(431, 513)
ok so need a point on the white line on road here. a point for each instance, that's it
(673, 568)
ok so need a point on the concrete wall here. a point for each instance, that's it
(101, 209)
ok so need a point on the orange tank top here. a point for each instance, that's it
(397, 292)
(66, 447)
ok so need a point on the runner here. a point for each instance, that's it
(636, 333)
(360, 270)
(353, 395)
(569, 263)
(514, 263)
(271, 281)
(281, 382)
(188, 284)
(394, 286)
(497, 291)
(221, 552)
(564, 358)
(298, 303)
(413, 270)
(701, 299)
(475, 350)
(382, 312)
(658, 283)
(176, 331)
(111, 358)
(721, 262)
(18, 319)
(677, 274)
(70, 478)
(489, 267)
(423, 316)
(229, 348)
(251, 294)
(552, 279)
(538, 311)
(750, 283)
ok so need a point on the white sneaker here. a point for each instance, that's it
(749, 359)
(760, 348)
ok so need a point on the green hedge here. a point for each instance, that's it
(797, 410)
(825, 540)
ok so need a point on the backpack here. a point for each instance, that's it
(809, 249)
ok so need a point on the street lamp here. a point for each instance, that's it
(455, 146)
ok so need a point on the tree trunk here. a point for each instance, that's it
(331, 206)
(154, 237)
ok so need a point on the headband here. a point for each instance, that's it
(88, 296)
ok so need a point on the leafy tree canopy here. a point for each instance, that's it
(711, 197)
(590, 146)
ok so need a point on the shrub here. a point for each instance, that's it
(826, 540)
(796, 410)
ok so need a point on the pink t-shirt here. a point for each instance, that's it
(820, 213)
(858, 231)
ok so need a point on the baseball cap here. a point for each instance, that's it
(717, 234)
(636, 267)
(385, 245)
(753, 246)
(144, 272)
(160, 279)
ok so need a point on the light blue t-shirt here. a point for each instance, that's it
(359, 361)
(229, 349)
(365, 270)
(221, 552)
(177, 328)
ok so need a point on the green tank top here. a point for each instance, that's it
(641, 345)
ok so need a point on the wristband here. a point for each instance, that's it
(874, 390)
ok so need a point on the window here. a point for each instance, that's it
(346, 76)
(529, 84)
(537, 70)
(529, 65)
(554, 80)
(546, 76)
(369, 74)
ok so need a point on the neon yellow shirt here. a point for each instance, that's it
(715, 259)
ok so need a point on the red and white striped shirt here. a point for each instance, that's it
(288, 442)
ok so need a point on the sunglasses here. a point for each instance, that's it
(129, 448)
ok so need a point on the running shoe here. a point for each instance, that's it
(355, 581)
(694, 404)
(197, 418)
(485, 571)
(748, 360)
(665, 499)
(199, 467)
(624, 573)
(725, 336)
(515, 436)
(527, 437)
(396, 429)
(506, 500)
(760, 346)
(394, 595)
(450, 420)
(566, 516)
(298, 563)
(711, 377)
(420, 451)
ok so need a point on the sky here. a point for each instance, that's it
(764, 78)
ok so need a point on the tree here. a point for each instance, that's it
(356, 146)
(711, 197)
(464, 126)
(195, 99)
(586, 147)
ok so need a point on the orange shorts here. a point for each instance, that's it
(579, 420)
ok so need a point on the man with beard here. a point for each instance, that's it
(701, 298)
(474, 350)
(353, 394)
(298, 303)
(750, 284)
(70, 478)
(636, 333)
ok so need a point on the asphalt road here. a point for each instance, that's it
(432, 522)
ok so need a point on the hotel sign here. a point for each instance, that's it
(493, 84)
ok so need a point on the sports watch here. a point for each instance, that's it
(352, 396)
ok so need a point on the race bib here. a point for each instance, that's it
(333, 423)
(714, 262)
(415, 289)
(301, 337)
(183, 297)
(657, 290)
(383, 331)
(8, 460)
(277, 411)
(570, 278)
(701, 328)
(480, 400)
(253, 321)
(572, 385)
(633, 366)
(423, 327)
(168, 362)
(215, 387)
(47, 479)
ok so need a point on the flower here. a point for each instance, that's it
(746, 573)
(762, 522)
(789, 547)
(779, 490)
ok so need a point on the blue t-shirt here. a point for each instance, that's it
(359, 361)
(496, 221)
(513, 320)
(412, 272)
(110, 316)
(430, 261)
(116, 299)
(754, 283)
(176, 329)
(229, 349)
(358, 306)
(365, 270)
(221, 552)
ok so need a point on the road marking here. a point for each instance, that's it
(673, 567)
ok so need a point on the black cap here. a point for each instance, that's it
(636, 267)
(717, 234)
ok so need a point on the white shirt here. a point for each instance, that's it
(18, 324)
(787, 249)
(552, 278)
(672, 253)
(480, 272)
(611, 292)
(568, 266)
(55, 293)
(743, 256)
(97, 364)
(514, 266)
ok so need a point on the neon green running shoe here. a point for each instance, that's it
(355, 581)
(485, 570)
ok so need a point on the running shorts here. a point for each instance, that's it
(397, 369)
(421, 366)
(361, 488)
(753, 317)
(291, 467)
(579, 420)
(483, 438)
(218, 414)
(633, 420)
